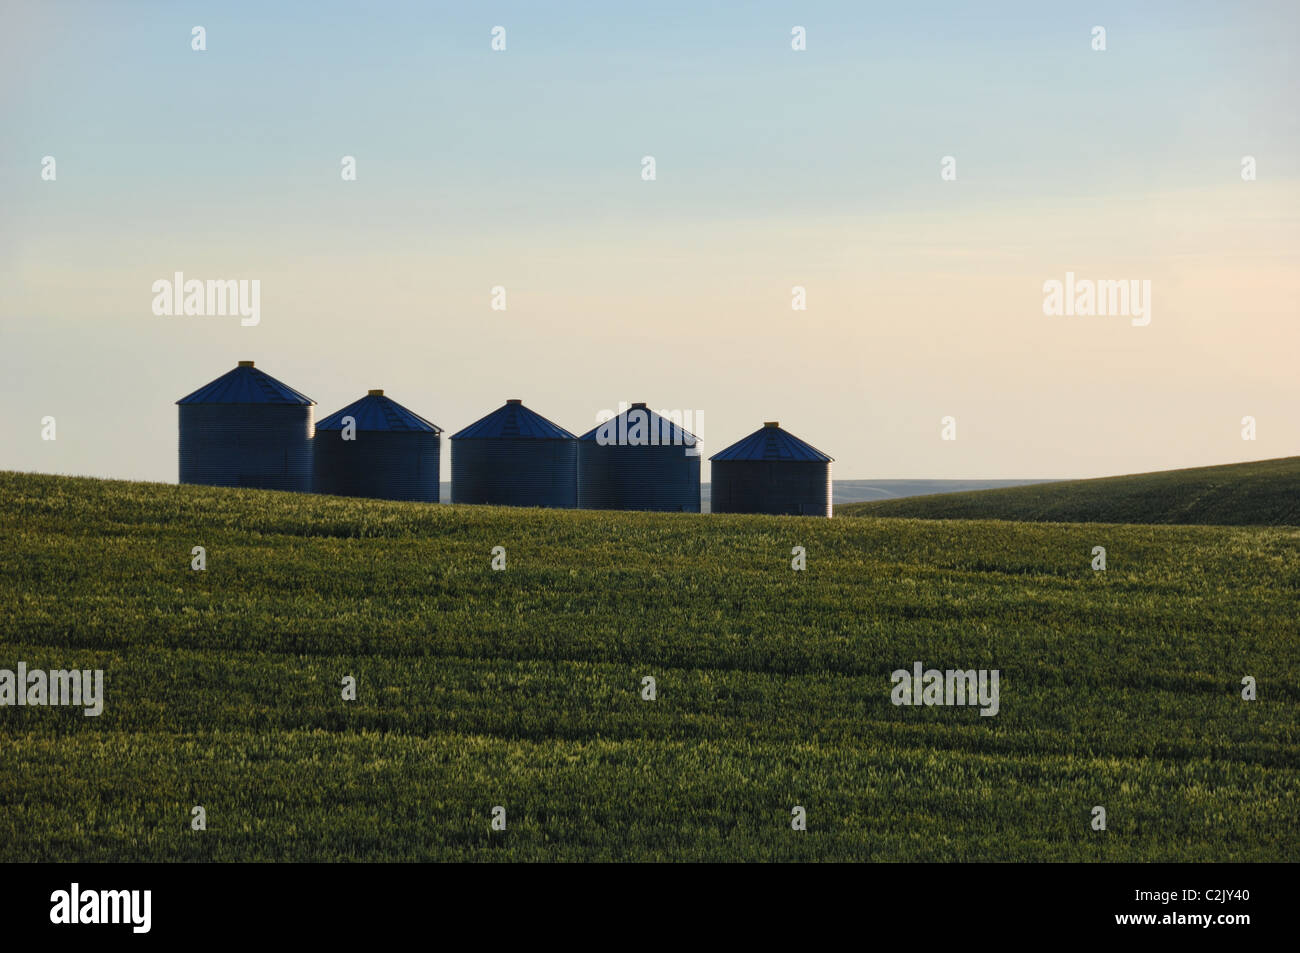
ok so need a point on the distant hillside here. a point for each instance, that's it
(871, 491)
(1264, 493)
(860, 491)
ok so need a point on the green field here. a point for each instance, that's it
(522, 688)
(1264, 493)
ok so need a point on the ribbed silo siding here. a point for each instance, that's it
(771, 486)
(267, 446)
(515, 472)
(382, 465)
(614, 477)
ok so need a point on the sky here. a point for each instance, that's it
(775, 168)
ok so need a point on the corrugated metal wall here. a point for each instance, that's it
(796, 488)
(509, 471)
(621, 477)
(267, 446)
(384, 465)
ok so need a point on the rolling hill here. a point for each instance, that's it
(525, 689)
(1264, 493)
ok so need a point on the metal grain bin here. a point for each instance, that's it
(514, 457)
(375, 447)
(639, 461)
(246, 429)
(771, 471)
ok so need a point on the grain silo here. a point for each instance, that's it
(246, 429)
(514, 457)
(771, 471)
(639, 461)
(375, 447)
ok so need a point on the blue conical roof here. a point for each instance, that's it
(246, 385)
(513, 421)
(770, 442)
(665, 431)
(377, 412)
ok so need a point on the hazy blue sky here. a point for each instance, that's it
(775, 168)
